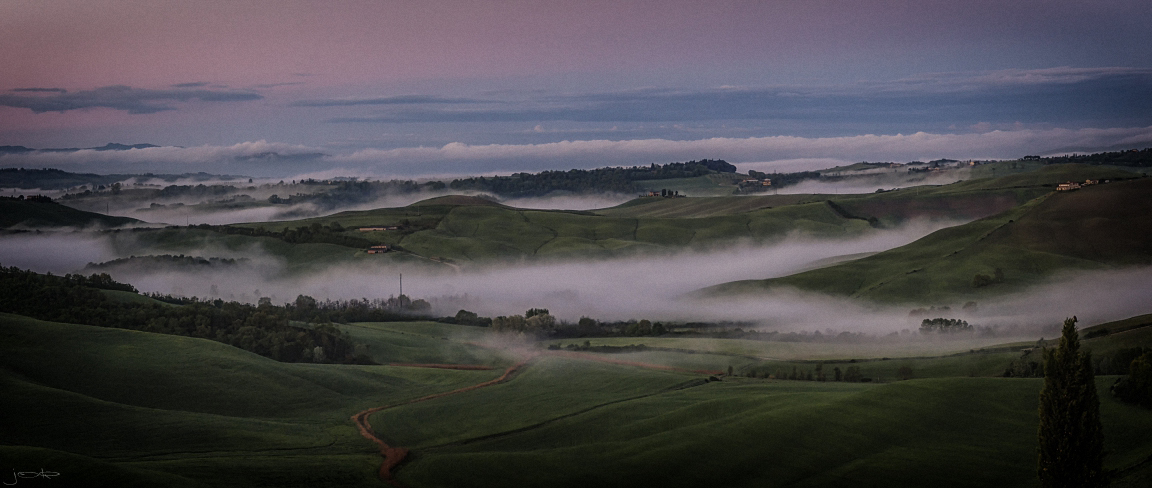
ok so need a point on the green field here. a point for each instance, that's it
(474, 230)
(1099, 227)
(106, 407)
(24, 213)
(144, 407)
(114, 407)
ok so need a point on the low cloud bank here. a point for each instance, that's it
(774, 153)
(651, 287)
(646, 286)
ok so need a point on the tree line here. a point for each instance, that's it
(265, 329)
(316, 233)
(599, 180)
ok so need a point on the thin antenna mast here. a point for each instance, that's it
(401, 284)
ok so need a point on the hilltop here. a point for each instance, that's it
(1098, 227)
(43, 212)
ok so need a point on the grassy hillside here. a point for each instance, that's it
(700, 186)
(26, 213)
(971, 199)
(1097, 227)
(459, 229)
(937, 432)
(472, 229)
(149, 408)
(106, 407)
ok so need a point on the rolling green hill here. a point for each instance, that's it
(148, 408)
(472, 229)
(1098, 227)
(108, 407)
(463, 228)
(30, 213)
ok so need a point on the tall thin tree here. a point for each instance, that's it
(1071, 437)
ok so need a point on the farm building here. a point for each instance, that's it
(379, 249)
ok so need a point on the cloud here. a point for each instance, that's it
(1052, 96)
(872, 147)
(195, 84)
(780, 153)
(120, 97)
(396, 100)
(40, 90)
(636, 287)
(254, 157)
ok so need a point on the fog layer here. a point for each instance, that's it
(651, 287)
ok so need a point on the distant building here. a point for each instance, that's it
(379, 249)
(1069, 186)
(371, 229)
(1091, 182)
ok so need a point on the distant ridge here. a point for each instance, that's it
(33, 213)
(1103, 226)
(458, 200)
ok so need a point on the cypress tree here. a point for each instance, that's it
(1071, 437)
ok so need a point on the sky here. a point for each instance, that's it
(432, 88)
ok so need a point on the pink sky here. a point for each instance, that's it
(521, 57)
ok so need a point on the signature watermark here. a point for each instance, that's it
(24, 475)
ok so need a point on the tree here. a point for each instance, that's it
(904, 373)
(1071, 437)
(853, 375)
(1137, 386)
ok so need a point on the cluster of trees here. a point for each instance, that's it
(391, 309)
(1119, 361)
(193, 191)
(30, 198)
(851, 374)
(343, 193)
(1030, 364)
(1132, 157)
(982, 280)
(164, 260)
(619, 180)
(97, 280)
(535, 322)
(1137, 386)
(464, 317)
(263, 329)
(944, 326)
(316, 233)
(588, 347)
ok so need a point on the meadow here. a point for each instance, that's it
(107, 407)
(114, 407)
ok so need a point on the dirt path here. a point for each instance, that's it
(393, 456)
(466, 367)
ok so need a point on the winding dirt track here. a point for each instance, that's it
(393, 456)
(465, 367)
